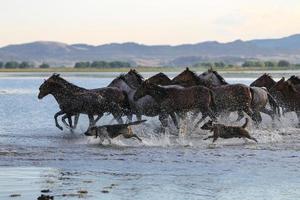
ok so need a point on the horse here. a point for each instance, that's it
(260, 97)
(213, 77)
(112, 99)
(146, 105)
(188, 78)
(228, 98)
(179, 100)
(160, 79)
(288, 95)
(264, 80)
(295, 80)
(72, 103)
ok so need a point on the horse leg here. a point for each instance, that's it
(55, 118)
(249, 112)
(163, 118)
(118, 118)
(97, 119)
(174, 118)
(240, 115)
(298, 115)
(257, 117)
(63, 119)
(205, 114)
(271, 113)
(138, 117)
(76, 118)
(91, 121)
(129, 118)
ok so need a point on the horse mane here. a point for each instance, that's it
(123, 78)
(157, 78)
(221, 79)
(56, 78)
(185, 71)
(138, 75)
(161, 75)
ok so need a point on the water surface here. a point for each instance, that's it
(35, 155)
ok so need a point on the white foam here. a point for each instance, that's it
(9, 91)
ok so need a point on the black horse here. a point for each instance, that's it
(111, 98)
(179, 100)
(229, 98)
(260, 97)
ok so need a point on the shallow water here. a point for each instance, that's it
(35, 155)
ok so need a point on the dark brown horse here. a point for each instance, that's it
(295, 80)
(146, 105)
(178, 99)
(288, 95)
(260, 97)
(160, 79)
(112, 98)
(264, 80)
(228, 98)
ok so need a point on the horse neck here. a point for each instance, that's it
(61, 95)
(270, 83)
(122, 85)
(71, 86)
(158, 93)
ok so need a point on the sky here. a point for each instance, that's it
(146, 21)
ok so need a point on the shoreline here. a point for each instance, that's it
(146, 69)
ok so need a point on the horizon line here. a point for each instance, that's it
(172, 45)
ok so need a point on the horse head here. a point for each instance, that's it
(213, 77)
(49, 86)
(264, 81)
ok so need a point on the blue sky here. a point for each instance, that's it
(148, 22)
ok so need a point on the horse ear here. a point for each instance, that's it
(281, 80)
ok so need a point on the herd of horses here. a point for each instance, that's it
(208, 93)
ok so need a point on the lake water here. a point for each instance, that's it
(35, 155)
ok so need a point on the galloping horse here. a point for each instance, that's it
(264, 80)
(146, 105)
(179, 99)
(228, 98)
(295, 80)
(112, 99)
(260, 97)
(288, 95)
(72, 103)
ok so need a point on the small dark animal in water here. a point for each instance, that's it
(112, 131)
(226, 132)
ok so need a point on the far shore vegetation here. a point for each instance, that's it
(120, 66)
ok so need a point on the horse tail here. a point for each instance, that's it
(246, 123)
(273, 104)
(212, 98)
(136, 122)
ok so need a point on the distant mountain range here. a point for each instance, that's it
(58, 54)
